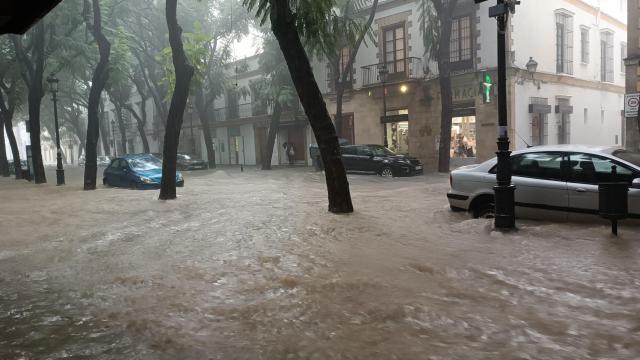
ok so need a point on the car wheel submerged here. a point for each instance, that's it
(386, 172)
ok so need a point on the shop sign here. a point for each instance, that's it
(394, 118)
(465, 93)
(631, 105)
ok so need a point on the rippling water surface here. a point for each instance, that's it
(251, 266)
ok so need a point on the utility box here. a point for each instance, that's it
(614, 202)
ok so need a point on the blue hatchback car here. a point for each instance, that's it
(136, 172)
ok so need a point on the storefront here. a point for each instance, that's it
(396, 131)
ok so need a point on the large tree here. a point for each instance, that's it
(98, 83)
(292, 20)
(435, 25)
(31, 57)
(339, 40)
(183, 73)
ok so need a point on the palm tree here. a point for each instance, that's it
(435, 26)
(275, 89)
(292, 20)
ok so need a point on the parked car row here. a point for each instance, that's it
(142, 171)
(559, 182)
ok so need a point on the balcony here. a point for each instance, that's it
(407, 69)
(249, 110)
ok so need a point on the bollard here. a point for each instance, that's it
(613, 201)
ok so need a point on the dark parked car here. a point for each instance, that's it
(316, 158)
(136, 172)
(380, 160)
(190, 162)
(23, 165)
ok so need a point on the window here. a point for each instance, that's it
(623, 55)
(586, 116)
(364, 151)
(540, 165)
(606, 56)
(394, 50)
(584, 45)
(461, 51)
(564, 43)
(593, 169)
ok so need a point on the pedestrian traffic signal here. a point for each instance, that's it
(487, 88)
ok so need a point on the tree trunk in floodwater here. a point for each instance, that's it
(184, 72)
(105, 135)
(271, 137)
(206, 129)
(4, 163)
(98, 82)
(284, 28)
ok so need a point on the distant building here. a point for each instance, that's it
(575, 95)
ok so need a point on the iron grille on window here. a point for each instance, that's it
(539, 124)
(564, 123)
(564, 43)
(623, 55)
(606, 56)
(584, 45)
(461, 51)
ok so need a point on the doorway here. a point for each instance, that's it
(463, 137)
(295, 136)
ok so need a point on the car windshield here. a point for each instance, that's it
(148, 163)
(381, 151)
(632, 157)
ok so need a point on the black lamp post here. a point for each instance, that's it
(383, 72)
(532, 67)
(113, 136)
(505, 218)
(53, 86)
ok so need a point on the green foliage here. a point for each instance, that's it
(276, 84)
(309, 15)
(430, 28)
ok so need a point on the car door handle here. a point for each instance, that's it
(581, 190)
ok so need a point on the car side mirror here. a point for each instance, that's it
(636, 183)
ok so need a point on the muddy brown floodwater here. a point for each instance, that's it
(251, 266)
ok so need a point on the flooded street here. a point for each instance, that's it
(252, 266)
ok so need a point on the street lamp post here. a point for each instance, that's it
(113, 136)
(383, 72)
(53, 86)
(505, 218)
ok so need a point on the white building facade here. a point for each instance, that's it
(575, 94)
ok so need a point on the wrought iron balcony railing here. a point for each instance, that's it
(406, 69)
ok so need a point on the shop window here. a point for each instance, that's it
(394, 49)
(463, 137)
(396, 134)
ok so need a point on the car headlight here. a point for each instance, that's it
(146, 180)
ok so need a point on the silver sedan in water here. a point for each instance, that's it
(558, 182)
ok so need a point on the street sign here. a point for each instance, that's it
(631, 105)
